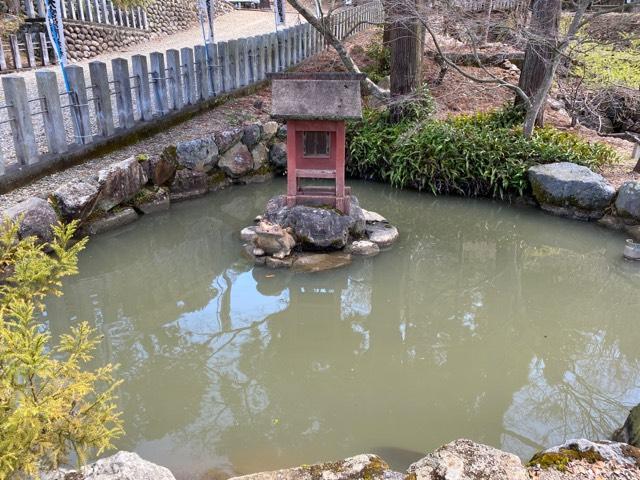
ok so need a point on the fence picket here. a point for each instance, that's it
(122, 86)
(47, 83)
(189, 75)
(140, 71)
(24, 140)
(101, 98)
(175, 79)
(202, 67)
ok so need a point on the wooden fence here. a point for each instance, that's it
(26, 50)
(107, 104)
(97, 11)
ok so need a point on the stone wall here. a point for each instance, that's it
(86, 40)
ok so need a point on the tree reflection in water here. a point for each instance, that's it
(489, 322)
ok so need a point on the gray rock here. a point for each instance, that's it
(282, 132)
(316, 228)
(200, 154)
(269, 130)
(373, 217)
(382, 234)
(260, 156)
(630, 431)
(365, 466)
(617, 452)
(237, 161)
(225, 139)
(76, 199)
(634, 231)
(571, 190)
(120, 182)
(121, 466)
(365, 248)
(251, 134)
(153, 201)
(163, 168)
(278, 155)
(247, 234)
(466, 460)
(111, 221)
(273, 262)
(36, 219)
(188, 184)
(628, 200)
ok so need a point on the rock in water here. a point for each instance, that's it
(121, 466)
(200, 154)
(120, 182)
(570, 190)
(236, 161)
(365, 248)
(273, 240)
(467, 460)
(317, 228)
(37, 218)
(630, 431)
(76, 199)
(628, 200)
(382, 234)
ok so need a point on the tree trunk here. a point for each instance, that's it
(541, 49)
(487, 21)
(407, 39)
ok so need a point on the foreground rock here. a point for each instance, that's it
(314, 227)
(630, 431)
(120, 182)
(121, 466)
(76, 199)
(467, 460)
(320, 262)
(570, 190)
(200, 154)
(628, 201)
(365, 466)
(36, 218)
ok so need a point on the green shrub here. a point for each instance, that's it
(479, 155)
(380, 55)
(50, 405)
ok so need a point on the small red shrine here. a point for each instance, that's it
(315, 107)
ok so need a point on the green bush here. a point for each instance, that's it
(479, 155)
(380, 56)
(51, 405)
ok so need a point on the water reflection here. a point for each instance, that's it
(499, 324)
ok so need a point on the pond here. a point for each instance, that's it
(496, 323)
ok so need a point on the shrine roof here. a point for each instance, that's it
(317, 96)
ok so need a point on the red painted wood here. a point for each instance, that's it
(332, 166)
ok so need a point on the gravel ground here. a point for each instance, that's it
(236, 24)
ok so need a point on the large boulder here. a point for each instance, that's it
(317, 228)
(237, 161)
(200, 154)
(364, 466)
(628, 200)
(37, 218)
(466, 460)
(76, 199)
(571, 190)
(278, 155)
(269, 130)
(260, 155)
(251, 134)
(188, 184)
(225, 139)
(120, 182)
(630, 431)
(121, 466)
(163, 168)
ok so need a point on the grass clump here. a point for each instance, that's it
(484, 154)
(562, 458)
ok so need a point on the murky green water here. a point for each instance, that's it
(500, 324)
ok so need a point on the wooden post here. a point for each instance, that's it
(3, 59)
(242, 69)
(101, 98)
(223, 62)
(28, 9)
(261, 50)
(31, 57)
(51, 111)
(44, 49)
(15, 51)
(233, 64)
(159, 82)
(79, 104)
(202, 68)
(42, 11)
(141, 77)
(24, 141)
(175, 79)
(122, 85)
(213, 71)
(189, 75)
(268, 55)
(252, 63)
